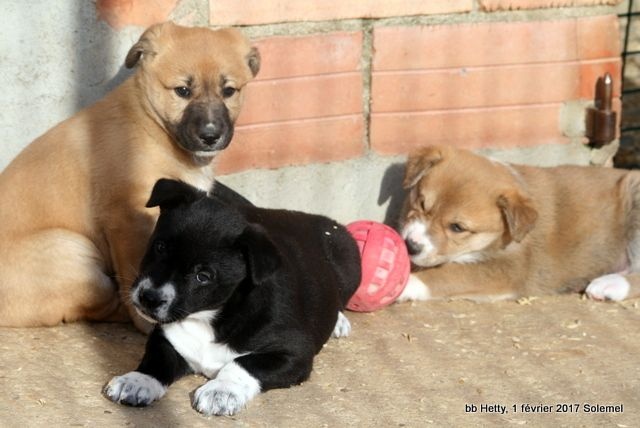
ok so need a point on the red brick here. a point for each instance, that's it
(598, 37)
(305, 106)
(143, 13)
(504, 127)
(495, 5)
(233, 12)
(477, 44)
(491, 43)
(293, 143)
(302, 98)
(591, 70)
(485, 85)
(308, 55)
(475, 87)
(489, 86)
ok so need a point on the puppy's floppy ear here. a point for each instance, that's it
(419, 163)
(263, 258)
(519, 214)
(136, 51)
(145, 46)
(253, 60)
(168, 193)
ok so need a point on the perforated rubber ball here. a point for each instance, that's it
(385, 265)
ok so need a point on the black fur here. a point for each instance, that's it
(277, 278)
(228, 195)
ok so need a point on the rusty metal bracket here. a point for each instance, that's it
(601, 119)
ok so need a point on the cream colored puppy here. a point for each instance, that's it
(73, 222)
(482, 229)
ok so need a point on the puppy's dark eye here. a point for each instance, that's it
(204, 277)
(160, 247)
(456, 228)
(228, 91)
(182, 91)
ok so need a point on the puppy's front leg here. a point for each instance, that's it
(491, 280)
(245, 377)
(128, 236)
(159, 368)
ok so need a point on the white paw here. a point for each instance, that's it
(608, 287)
(134, 389)
(228, 393)
(414, 290)
(343, 326)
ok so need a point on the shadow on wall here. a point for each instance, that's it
(391, 190)
(95, 55)
(55, 58)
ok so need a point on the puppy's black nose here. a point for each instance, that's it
(209, 134)
(412, 247)
(150, 298)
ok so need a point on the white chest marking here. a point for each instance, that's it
(201, 178)
(194, 339)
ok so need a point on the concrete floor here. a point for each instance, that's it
(408, 365)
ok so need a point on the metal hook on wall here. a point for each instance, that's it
(601, 118)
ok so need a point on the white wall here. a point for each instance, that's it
(54, 59)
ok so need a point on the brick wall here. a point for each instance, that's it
(461, 72)
(305, 105)
(497, 84)
(346, 88)
(346, 79)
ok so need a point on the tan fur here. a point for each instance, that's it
(530, 230)
(73, 226)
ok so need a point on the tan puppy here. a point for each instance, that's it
(487, 230)
(73, 222)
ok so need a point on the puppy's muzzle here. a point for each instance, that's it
(210, 134)
(205, 127)
(151, 299)
(413, 248)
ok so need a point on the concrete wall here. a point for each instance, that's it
(346, 88)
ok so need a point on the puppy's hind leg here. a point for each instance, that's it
(614, 287)
(53, 276)
(630, 185)
(343, 326)
(620, 286)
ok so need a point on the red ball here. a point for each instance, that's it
(385, 265)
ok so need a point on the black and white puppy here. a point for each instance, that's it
(243, 295)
